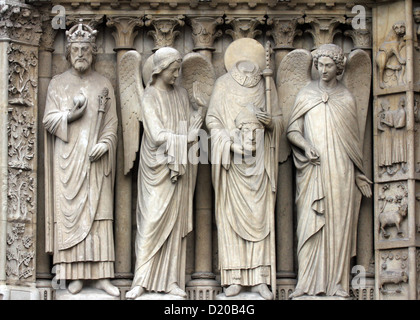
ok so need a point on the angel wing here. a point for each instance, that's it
(293, 74)
(198, 78)
(131, 91)
(357, 78)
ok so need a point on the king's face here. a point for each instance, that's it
(81, 56)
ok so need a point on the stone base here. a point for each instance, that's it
(241, 296)
(86, 294)
(320, 298)
(8, 292)
(159, 296)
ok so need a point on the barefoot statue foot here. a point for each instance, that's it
(263, 290)
(135, 292)
(108, 287)
(75, 286)
(233, 290)
(177, 291)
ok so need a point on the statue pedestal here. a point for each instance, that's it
(322, 298)
(85, 294)
(159, 296)
(241, 296)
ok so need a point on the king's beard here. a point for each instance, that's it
(81, 66)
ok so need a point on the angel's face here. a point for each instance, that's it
(171, 73)
(327, 69)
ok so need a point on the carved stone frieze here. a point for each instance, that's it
(20, 252)
(393, 211)
(164, 32)
(204, 32)
(23, 64)
(284, 31)
(393, 275)
(92, 20)
(20, 22)
(392, 151)
(244, 27)
(391, 57)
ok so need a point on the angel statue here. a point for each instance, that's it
(245, 123)
(166, 176)
(325, 129)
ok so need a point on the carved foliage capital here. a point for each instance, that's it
(244, 27)
(204, 32)
(164, 32)
(284, 31)
(20, 23)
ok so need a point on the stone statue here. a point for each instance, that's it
(166, 177)
(245, 190)
(326, 130)
(81, 121)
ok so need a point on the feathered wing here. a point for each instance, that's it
(293, 74)
(357, 78)
(198, 78)
(131, 91)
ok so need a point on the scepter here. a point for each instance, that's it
(103, 99)
(268, 74)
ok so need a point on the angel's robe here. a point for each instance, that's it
(81, 191)
(165, 190)
(327, 197)
(244, 198)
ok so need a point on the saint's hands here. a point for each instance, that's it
(363, 183)
(79, 106)
(312, 154)
(264, 118)
(98, 151)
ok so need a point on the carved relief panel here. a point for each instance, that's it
(391, 137)
(390, 51)
(393, 274)
(392, 221)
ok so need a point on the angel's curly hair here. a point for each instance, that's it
(331, 51)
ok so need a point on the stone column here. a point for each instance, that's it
(362, 39)
(283, 31)
(46, 50)
(203, 285)
(124, 35)
(396, 199)
(19, 38)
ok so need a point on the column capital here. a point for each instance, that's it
(244, 27)
(324, 28)
(20, 22)
(204, 32)
(164, 32)
(284, 30)
(124, 33)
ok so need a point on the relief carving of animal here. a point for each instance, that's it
(392, 277)
(391, 46)
(392, 218)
